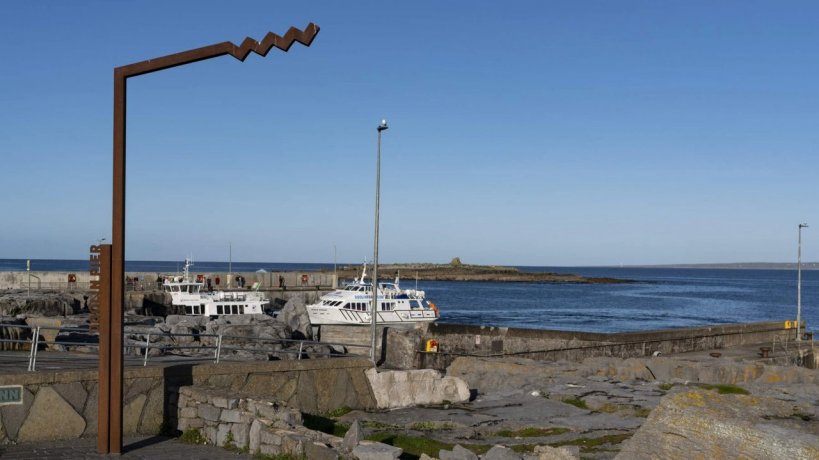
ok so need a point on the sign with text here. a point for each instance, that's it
(11, 394)
(94, 269)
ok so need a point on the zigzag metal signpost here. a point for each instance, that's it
(112, 292)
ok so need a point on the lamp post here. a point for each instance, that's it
(799, 284)
(373, 310)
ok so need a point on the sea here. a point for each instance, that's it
(660, 298)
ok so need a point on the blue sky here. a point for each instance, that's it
(521, 133)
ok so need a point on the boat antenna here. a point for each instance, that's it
(416, 280)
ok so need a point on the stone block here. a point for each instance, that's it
(457, 453)
(222, 431)
(188, 412)
(253, 435)
(224, 402)
(270, 449)
(209, 433)
(50, 417)
(377, 451)
(74, 393)
(208, 412)
(13, 416)
(153, 412)
(293, 444)
(319, 451)
(268, 437)
(557, 453)
(501, 453)
(352, 437)
(231, 416)
(240, 432)
(131, 414)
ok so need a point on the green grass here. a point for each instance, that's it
(721, 388)
(414, 446)
(642, 412)
(592, 443)
(260, 456)
(423, 426)
(725, 388)
(379, 425)
(576, 402)
(338, 412)
(532, 432)
(193, 436)
(325, 425)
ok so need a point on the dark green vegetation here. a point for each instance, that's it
(721, 388)
(414, 446)
(577, 402)
(193, 436)
(325, 424)
(532, 432)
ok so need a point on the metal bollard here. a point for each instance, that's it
(301, 346)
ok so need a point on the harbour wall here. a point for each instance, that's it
(404, 348)
(147, 280)
(63, 404)
(461, 340)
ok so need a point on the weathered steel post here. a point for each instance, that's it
(111, 344)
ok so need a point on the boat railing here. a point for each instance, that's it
(27, 343)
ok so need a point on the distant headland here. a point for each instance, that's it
(457, 271)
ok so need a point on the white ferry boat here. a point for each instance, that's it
(188, 294)
(353, 303)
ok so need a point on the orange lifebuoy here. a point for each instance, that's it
(72, 278)
(303, 279)
(200, 278)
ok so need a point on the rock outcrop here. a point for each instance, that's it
(394, 389)
(706, 424)
(294, 315)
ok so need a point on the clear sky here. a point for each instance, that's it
(521, 133)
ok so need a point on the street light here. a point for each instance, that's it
(373, 311)
(799, 284)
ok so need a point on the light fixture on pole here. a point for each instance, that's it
(799, 284)
(373, 311)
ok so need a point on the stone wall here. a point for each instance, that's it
(460, 340)
(63, 405)
(268, 280)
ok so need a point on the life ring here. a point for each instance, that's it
(435, 309)
(200, 278)
(303, 279)
(72, 278)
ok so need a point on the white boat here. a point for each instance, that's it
(353, 304)
(189, 294)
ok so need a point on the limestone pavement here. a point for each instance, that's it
(134, 448)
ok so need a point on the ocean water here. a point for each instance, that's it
(662, 298)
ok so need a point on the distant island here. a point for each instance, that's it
(457, 271)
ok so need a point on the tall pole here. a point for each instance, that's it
(799, 284)
(230, 263)
(335, 268)
(373, 308)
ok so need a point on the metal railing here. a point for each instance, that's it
(172, 351)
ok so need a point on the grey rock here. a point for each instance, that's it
(208, 412)
(457, 453)
(353, 436)
(501, 453)
(49, 406)
(376, 451)
(294, 315)
(14, 415)
(319, 451)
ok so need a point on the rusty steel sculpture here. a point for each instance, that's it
(112, 295)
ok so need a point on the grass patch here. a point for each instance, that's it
(193, 436)
(260, 456)
(532, 432)
(725, 388)
(576, 402)
(338, 412)
(325, 425)
(414, 446)
(422, 426)
(642, 412)
(592, 443)
(379, 425)
(665, 386)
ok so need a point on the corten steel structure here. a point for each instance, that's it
(109, 437)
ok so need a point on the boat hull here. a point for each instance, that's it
(328, 315)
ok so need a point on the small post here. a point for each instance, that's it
(147, 345)
(301, 346)
(32, 351)
(218, 348)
